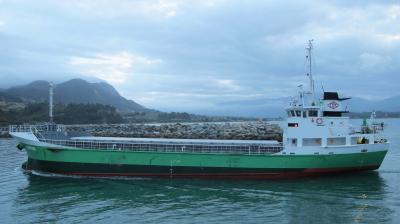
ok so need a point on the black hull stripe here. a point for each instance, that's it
(90, 169)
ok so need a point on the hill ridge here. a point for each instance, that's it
(75, 91)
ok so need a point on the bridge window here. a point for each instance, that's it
(336, 141)
(311, 141)
(332, 114)
(313, 113)
(359, 140)
(298, 113)
(292, 141)
(292, 113)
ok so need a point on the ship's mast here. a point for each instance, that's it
(51, 102)
(309, 74)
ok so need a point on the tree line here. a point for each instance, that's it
(63, 113)
(98, 114)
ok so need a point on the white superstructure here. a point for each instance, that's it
(318, 125)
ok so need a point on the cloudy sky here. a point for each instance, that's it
(195, 55)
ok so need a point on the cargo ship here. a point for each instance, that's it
(318, 139)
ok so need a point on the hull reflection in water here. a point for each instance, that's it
(351, 198)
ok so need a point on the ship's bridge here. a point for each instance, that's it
(320, 123)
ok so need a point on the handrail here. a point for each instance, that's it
(36, 128)
(374, 128)
(167, 147)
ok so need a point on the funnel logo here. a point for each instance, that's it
(333, 105)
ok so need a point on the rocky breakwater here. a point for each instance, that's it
(224, 130)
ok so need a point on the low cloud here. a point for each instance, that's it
(227, 84)
(113, 68)
(373, 61)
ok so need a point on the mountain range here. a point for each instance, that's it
(72, 91)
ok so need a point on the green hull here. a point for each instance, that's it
(123, 163)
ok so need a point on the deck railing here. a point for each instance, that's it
(169, 147)
(36, 128)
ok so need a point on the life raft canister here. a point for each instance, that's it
(319, 120)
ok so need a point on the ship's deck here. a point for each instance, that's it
(58, 138)
(170, 145)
